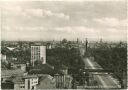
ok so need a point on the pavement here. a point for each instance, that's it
(104, 81)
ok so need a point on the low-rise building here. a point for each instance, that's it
(4, 61)
(46, 82)
(16, 65)
(3, 57)
(27, 82)
(63, 80)
(5, 74)
(30, 82)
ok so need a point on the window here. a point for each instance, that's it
(22, 86)
(1, 79)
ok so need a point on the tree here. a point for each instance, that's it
(113, 58)
(64, 41)
(37, 62)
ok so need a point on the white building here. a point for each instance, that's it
(25, 83)
(3, 57)
(38, 53)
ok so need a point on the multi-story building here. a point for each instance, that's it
(38, 53)
(28, 82)
(63, 80)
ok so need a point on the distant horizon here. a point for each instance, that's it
(62, 39)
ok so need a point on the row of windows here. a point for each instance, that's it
(35, 48)
(22, 86)
(34, 82)
(35, 58)
(32, 53)
(35, 54)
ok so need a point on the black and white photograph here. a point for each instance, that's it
(63, 44)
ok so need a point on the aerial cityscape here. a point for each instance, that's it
(63, 45)
(63, 65)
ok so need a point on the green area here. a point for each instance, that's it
(63, 56)
(21, 54)
(112, 58)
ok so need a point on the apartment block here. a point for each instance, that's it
(38, 53)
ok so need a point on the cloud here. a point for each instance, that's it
(113, 22)
(50, 14)
(11, 10)
(41, 20)
(33, 12)
(23, 29)
(18, 10)
(114, 31)
(62, 15)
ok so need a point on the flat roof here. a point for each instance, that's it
(11, 72)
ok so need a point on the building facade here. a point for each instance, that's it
(3, 57)
(25, 83)
(38, 53)
(63, 81)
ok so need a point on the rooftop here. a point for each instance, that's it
(18, 80)
(42, 69)
(10, 48)
(31, 76)
(11, 72)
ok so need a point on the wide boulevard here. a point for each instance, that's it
(104, 80)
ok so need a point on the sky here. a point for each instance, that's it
(55, 20)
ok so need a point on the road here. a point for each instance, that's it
(104, 81)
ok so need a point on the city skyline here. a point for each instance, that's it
(54, 20)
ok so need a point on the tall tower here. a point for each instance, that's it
(77, 40)
(86, 45)
(38, 53)
(101, 41)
